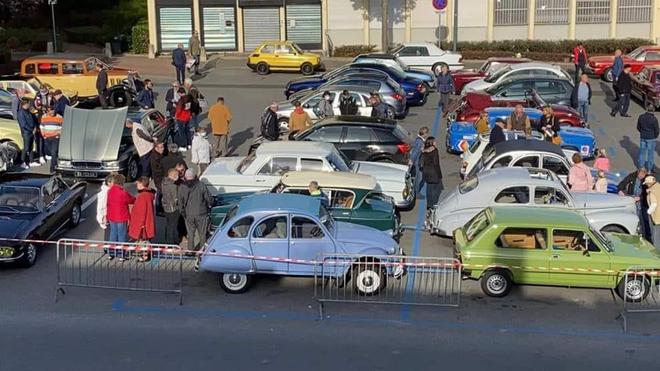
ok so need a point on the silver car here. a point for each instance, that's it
(529, 187)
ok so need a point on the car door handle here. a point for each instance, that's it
(293, 243)
(260, 180)
(555, 256)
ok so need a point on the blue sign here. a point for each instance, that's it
(440, 4)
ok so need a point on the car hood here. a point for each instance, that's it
(601, 201)
(99, 130)
(354, 238)
(478, 100)
(607, 59)
(630, 246)
(420, 74)
(13, 226)
(222, 166)
(576, 131)
(282, 107)
(559, 109)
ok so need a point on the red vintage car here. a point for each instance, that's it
(644, 56)
(492, 64)
(468, 108)
(646, 87)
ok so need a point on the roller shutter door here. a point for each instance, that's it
(259, 25)
(175, 26)
(219, 28)
(303, 25)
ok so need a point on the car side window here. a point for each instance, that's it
(268, 49)
(513, 195)
(641, 56)
(52, 190)
(326, 134)
(502, 162)
(311, 164)
(549, 196)
(30, 69)
(241, 228)
(47, 68)
(522, 238)
(72, 68)
(271, 228)
(341, 199)
(555, 165)
(652, 56)
(358, 100)
(569, 240)
(359, 134)
(305, 228)
(408, 51)
(279, 166)
(527, 161)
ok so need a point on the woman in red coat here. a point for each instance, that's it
(141, 226)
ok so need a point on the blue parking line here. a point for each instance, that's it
(601, 130)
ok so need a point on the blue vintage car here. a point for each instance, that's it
(289, 226)
(462, 134)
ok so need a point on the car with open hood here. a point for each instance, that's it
(95, 143)
(287, 227)
(262, 169)
(502, 246)
(536, 187)
(489, 66)
(35, 207)
(31, 86)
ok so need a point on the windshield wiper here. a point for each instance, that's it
(13, 209)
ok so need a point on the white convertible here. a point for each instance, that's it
(428, 56)
(262, 169)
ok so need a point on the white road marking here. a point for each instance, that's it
(87, 203)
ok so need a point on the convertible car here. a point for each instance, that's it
(35, 206)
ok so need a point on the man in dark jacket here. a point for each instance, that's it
(270, 129)
(171, 206)
(415, 158)
(146, 98)
(60, 102)
(102, 85)
(378, 108)
(195, 202)
(157, 172)
(617, 68)
(580, 60)
(28, 124)
(647, 126)
(347, 104)
(581, 97)
(633, 185)
(445, 87)
(624, 87)
(172, 159)
(179, 63)
(171, 98)
(497, 133)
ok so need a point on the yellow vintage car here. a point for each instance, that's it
(11, 133)
(283, 56)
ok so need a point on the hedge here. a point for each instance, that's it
(352, 50)
(140, 39)
(87, 35)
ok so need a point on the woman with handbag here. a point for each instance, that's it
(549, 125)
(141, 225)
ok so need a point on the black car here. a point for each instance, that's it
(35, 207)
(362, 138)
(554, 90)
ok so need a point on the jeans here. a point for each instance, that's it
(199, 224)
(419, 179)
(645, 229)
(443, 103)
(181, 134)
(622, 104)
(433, 191)
(28, 143)
(172, 228)
(118, 233)
(39, 145)
(145, 165)
(192, 128)
(180, 74)
(656, 234)
(647, 154)
(583, 110)
(195, 66)
(53, 146)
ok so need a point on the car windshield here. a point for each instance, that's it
(296, 48)
(477, 225)
(396, 50)
(485, 67)
(339, 162)
(468, 185)
(498, 74)
(247, 161)
(473, 148)
(602, 239)
(326, 219)
(19, 199)
(635, 53)
(401, 63)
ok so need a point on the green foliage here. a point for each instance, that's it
(140, 39)
(87, 35)
(558, 47)
(352, 50)
(25, 38)
(121, 18)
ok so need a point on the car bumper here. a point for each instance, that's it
(88, 174)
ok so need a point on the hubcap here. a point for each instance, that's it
(234, 281)
(634, 289)
(31, 253)
(496, 284)
(75, 215)
(368, 281)
(133, 169)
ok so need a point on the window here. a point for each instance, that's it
(72, 68)
(555, 165)
(550, 88)
(522, 238)
(325, 134)
(279, 166)
(284, 49)
(304, 228)
(513, 195)
(502, 162)
(516, 89)
(52, 190)
(241, 228)
(387, 136)
(268, 49)
(551, 12)
(477, 225)
(468, 185)
(592, 11)
(47, 68)
(359, 134)
(527, 161)
(511, 12)
(30, 69)
(572, 241)
(271, 228)
(549, 196)
(634, 11)
(246, 162)
(341, 199)
(309, 164)
(652, 56)
(414, 51)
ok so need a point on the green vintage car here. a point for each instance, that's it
(351, 198)
(502, 246)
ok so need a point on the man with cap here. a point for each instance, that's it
(654, 210)
(195, 202)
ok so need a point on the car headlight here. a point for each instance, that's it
(63, 163)
(110, 163)
(6, 252)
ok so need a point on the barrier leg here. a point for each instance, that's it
(321, 310)
(57, 292)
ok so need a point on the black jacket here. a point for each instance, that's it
(496, 135)
(431, 171)
(623, 83)
(270, 129)
(157, 172)
(194, 199)
(179, 58)
(647, 125)
(102, 81)
(627, 186)
(545, 121)
(170, 161)
(574, 96)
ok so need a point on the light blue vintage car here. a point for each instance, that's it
(264, 232)
(461, 135)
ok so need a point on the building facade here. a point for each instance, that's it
(240, 25)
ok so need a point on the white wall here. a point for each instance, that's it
(551, 31)
(624, 30)
(344, 23)
(397, 21)
(592, 31)
(509, 33)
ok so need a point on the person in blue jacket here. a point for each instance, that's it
(27, 123)
(179, 63)
(146, 98)
(617, 68)
(416, 155)
(445, 87)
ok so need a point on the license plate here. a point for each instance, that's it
(584, 150)
(85, 174)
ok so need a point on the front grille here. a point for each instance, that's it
(87, 165)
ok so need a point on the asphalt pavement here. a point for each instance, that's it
(276, 325)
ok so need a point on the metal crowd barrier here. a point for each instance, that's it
(638, 280)
(98, 264)
(401, 280)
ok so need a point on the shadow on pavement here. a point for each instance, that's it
(631, 148)
(237, 139)
(609, 94)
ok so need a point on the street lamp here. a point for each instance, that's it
(52, 4)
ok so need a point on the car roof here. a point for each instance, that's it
(15, 77)
(296, 148)
(650, 47)
(509, 59)
(277, 42)
(280, 201)
(528, 65)
(60, 57)
(367, 88)
(24, 179)
(513, 176)
(376, 56)
(357, 120)
(536, 216)
(527, 145)
(536, 78)
(329, 179)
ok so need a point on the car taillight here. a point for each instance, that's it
(397, 96)
(403, 147)
(461, 118)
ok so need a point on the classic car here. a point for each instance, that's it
(576, 138)
(283, 56)
(644, 56)
(469, 107)
(528, 153)
(77, 73)
(646, 87)
(261, 170)
(553, 89)
(36, 207)
(531, 69)
(289, 226)
(108, 142)
(350, 198)
(428, 56)
(31, 86)
(393, 61)
(518, 186)
(10, 134)
(502, 246)
(491, 65)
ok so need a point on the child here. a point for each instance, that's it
(142, 223)
(201, 150)
(602, 162)
(601, 183)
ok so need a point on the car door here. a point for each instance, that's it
(362, 101)
(270, 238)
(309, 241)
(341, 204)
(557, 165)
(526, 161)
(577, 260)
(328, 134)
(286, 57)
(269, 174)
(525, 252)
(55, 205)
(516, 90)
(359, 143)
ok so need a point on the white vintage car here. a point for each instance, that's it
(262, 169)
(428, 56)
(529, 187)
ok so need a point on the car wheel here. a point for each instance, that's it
(262, 68)
(496, 283)
(634, 289)
(29, 256)
(648, 105)
(132, 169)
(235, 283)
(307, 69)
(76, 212)
(16, 158)
(607, 75)
(437, 68)
(370, 278)
(614, 229)
(120, 98)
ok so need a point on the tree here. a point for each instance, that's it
(391, 11)
(11, 8)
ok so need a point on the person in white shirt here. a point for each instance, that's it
(201, 150)
(102, 204)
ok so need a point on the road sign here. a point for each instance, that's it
(440, 5)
